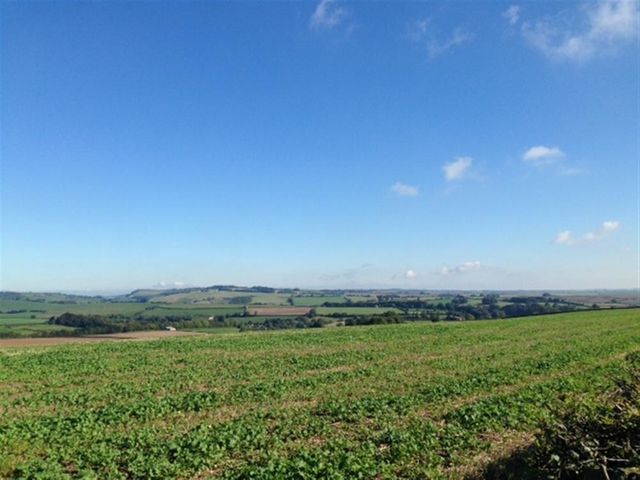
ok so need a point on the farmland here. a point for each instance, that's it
(227, 307)
(417, 400)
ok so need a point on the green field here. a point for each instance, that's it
(31, 329)
(416, 400)
(21, 323)
(11, 320)
(317, 300)
(45, 310)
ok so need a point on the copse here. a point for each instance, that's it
(100, 324)
(283, 323)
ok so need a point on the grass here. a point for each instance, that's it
(399, 401)
(48, 309)
(221, 298)
(10, 320)
(31, 329)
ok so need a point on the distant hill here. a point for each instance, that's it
(48, 297)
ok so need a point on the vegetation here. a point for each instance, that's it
(587, 439)
(98, 324)
(284, 323)
(415, 400)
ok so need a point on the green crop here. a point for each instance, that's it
(415, 400)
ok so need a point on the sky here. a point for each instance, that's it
(331, 144)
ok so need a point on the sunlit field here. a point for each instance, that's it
(417, 400)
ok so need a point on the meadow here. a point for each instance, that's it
(415, 400)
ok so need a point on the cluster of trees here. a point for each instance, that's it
(282, 323)
(97, 324)
(373, 320)
(457, 307)
(241, 300)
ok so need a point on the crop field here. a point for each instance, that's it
(415, 400)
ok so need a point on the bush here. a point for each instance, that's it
(599, 440)
(603, 438)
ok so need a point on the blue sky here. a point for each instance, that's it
(334, 144)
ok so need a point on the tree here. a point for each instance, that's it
(490, 299)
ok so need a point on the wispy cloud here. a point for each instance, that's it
(512, 14)
(607, 228)
(462, 268)
(404, 190)
(458, 169)
(350, 274)
(327, 15)
(423, 32)
(601, 28)
(437, 47)
(542, 155)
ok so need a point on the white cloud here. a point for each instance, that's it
(607, 228)
(604, 26)
(458, 169)
(512, 14)
(422, 32)
(327, 15)
(463, 268)
(410, 275)
(564, 238)
(404, 190)
(541, 155)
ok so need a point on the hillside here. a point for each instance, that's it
(399, 401)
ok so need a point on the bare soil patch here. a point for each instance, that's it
(48, 341)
